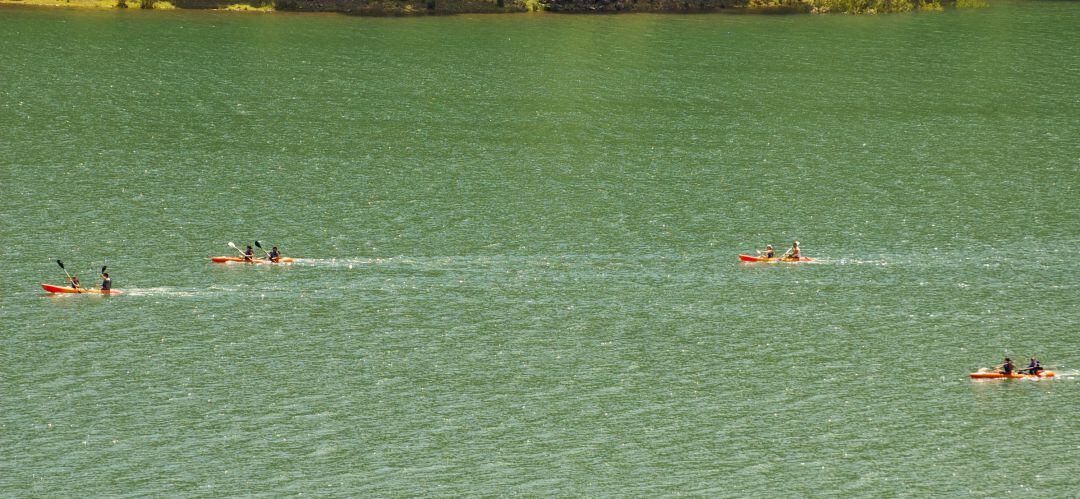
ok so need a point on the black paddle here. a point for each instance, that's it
(257, 245)
(70, 280)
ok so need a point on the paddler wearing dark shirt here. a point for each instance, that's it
(106, 282)
(1008, 367)
(274, 255)
(248, 253)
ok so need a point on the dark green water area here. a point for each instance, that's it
(518, 239)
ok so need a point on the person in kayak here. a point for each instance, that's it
(248, 254)
(274, 255)
(74, 281)
(793, 253)
(106, 282)
(768, 253)
(1032, 368)
(1008, 367)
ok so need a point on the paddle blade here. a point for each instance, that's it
(61, 264)
(103, 269)
(233, 246)
(257, 245)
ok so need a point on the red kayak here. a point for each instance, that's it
(240, 259)
(999, 375)
(761, 259)
(68, 289)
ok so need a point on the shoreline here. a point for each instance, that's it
(401, 8)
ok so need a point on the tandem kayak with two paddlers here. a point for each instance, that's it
(68, 289)
(240, 259)
(762, 259)
(73, 286)
(248, 256)
(987, 374)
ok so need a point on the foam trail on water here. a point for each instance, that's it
(176, 292)
(849, 261)
(349, 262)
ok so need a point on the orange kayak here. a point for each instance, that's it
(761, 259)
(237, 259)
(997, 375)
(68, 289)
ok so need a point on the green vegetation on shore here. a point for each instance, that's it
(443, 7)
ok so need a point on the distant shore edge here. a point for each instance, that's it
(384, 8)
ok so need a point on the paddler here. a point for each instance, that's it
(793, 253)
(106, 282)
(1008, 367)
(274, 255)
(249, 253)
(768, 253)
(1033, 367)
(74, 281)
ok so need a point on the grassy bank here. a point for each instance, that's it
(444, 7)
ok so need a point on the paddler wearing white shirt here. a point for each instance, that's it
(793, 253)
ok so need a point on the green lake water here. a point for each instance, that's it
(518, 237)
